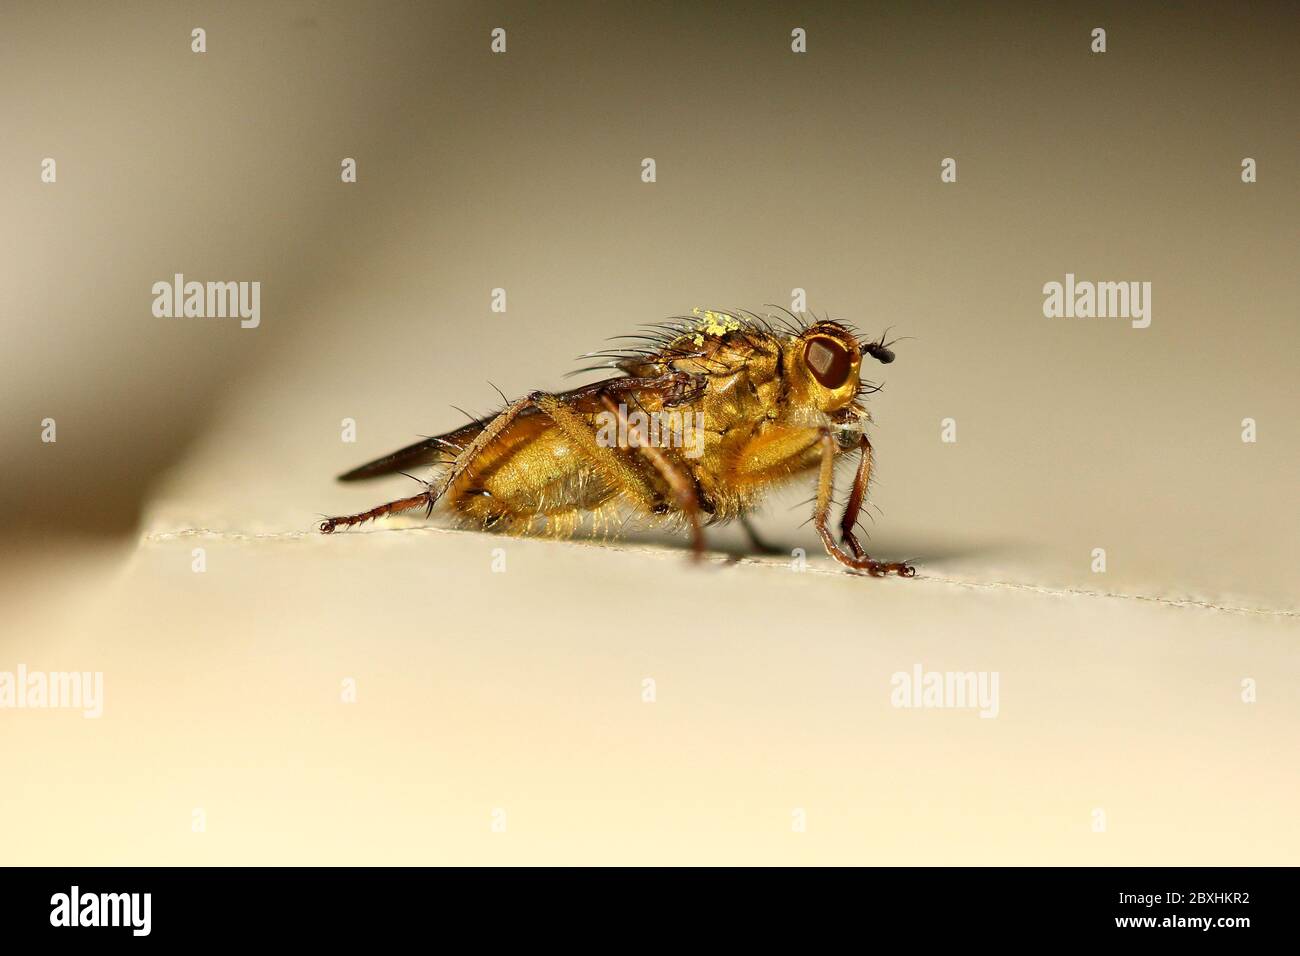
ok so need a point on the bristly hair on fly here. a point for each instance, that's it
(672, 339)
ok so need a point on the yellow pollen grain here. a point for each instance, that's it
(714, 323)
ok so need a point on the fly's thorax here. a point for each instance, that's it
(740, 376)
(760, 391)
(721, 351)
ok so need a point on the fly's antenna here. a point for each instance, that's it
(880, 350)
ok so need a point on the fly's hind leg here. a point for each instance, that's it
(859, 559)
(423, 499)
(430, 496)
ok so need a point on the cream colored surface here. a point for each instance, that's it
(522, 691)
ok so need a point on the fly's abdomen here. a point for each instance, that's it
(543, 477)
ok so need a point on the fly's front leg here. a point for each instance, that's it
(779, 452)
(859, 559)
(857, 496)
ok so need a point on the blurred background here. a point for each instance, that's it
(522, 170)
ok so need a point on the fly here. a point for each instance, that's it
(706, 414)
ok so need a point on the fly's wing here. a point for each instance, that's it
(444, 448)
(427, 452)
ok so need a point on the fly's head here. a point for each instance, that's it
(824, 366)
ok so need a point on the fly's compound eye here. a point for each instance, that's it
(829, 362)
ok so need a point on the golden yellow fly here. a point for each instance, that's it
(707, 413)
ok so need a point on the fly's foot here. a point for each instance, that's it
(330, 525)
(859, 560)
(423, 499)
(879, 569)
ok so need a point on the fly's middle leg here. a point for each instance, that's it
(682, 486)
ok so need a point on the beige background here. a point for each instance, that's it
(521, 690)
